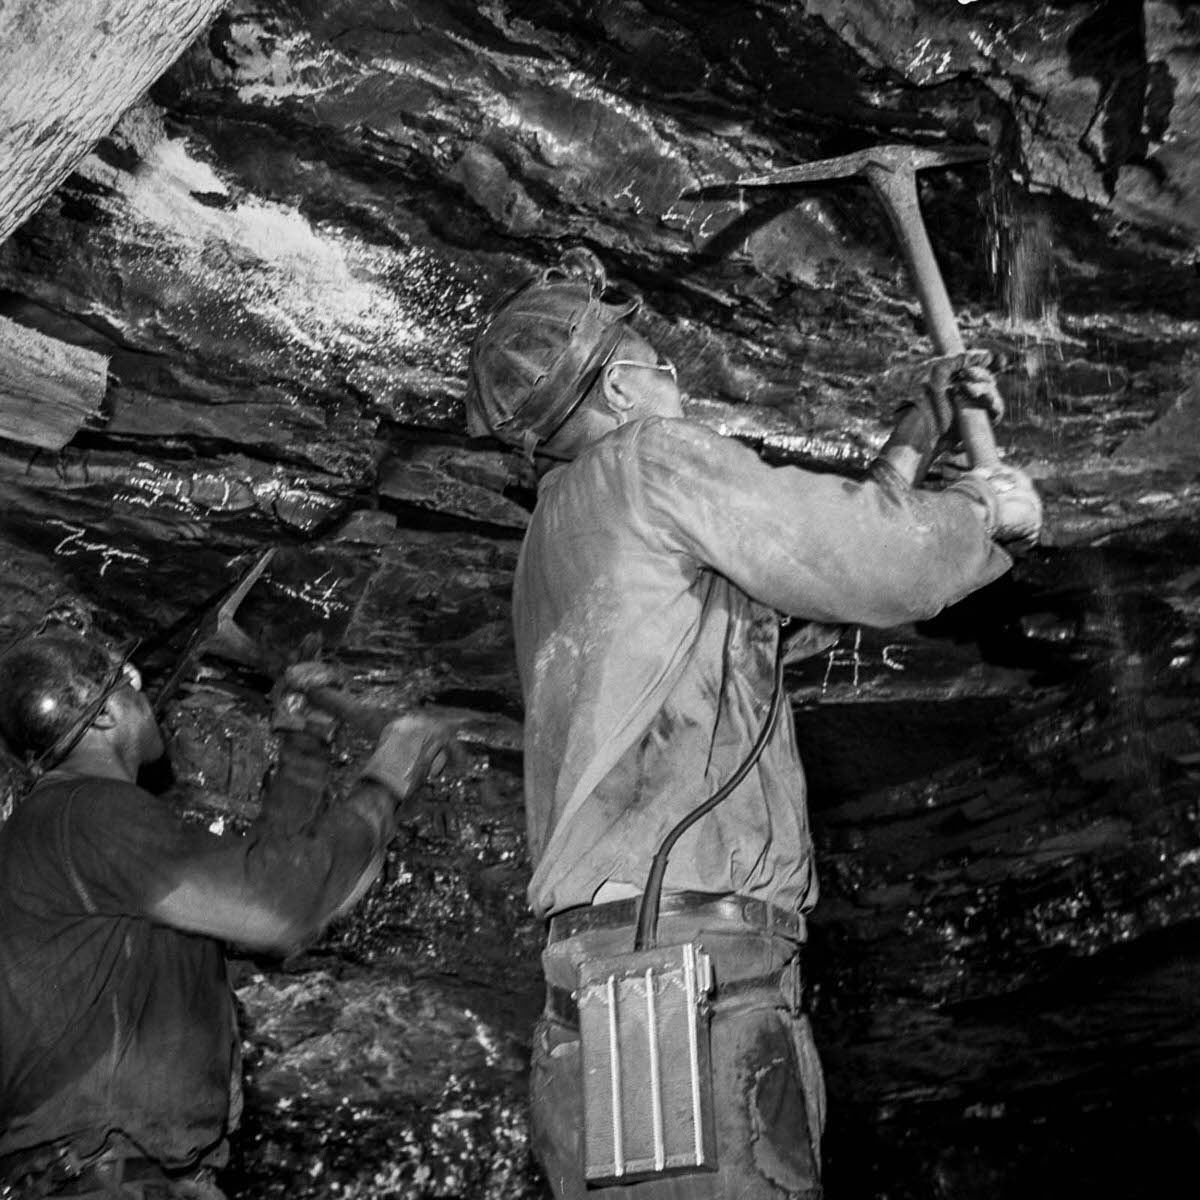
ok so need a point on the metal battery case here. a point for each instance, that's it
(647, 1081)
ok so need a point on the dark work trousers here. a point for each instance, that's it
(114, 1178)
(769, 1094)
(178, 1189)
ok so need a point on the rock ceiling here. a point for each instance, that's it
(283, 249)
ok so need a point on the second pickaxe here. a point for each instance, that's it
(218, 632)
(891, 171)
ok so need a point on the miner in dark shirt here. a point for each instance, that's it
(119, 1052)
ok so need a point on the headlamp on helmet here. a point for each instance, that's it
(55, 677)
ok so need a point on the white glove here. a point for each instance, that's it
(409, 750)
(969, 382)
(959, 381)
(1012, 507)
(927, 423)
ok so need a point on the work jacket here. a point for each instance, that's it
(117, 1024)
(646, 606)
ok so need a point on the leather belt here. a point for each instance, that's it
(740, 910)
(781, 988)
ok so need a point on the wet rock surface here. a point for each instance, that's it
(283, 249)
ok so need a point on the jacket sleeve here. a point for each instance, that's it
(872, 552)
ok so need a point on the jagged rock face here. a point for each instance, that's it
(284, 250)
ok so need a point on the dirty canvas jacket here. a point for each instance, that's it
(112, 1023)
(645, 607)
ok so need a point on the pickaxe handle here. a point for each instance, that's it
(217, 628)
(368, 720)
(474, 730)
(897, 189)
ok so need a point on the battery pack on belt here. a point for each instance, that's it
(647, 1083)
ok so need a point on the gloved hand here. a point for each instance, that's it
(967, 381)
(291, 711)
(409, 750)
(925, 425)
(956, 380)
(305, 676)
(1012, 507)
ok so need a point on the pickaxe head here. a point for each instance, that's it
(894, 157)
(891, 171)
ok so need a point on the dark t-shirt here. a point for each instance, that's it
(108, 1021)
(115, 1021)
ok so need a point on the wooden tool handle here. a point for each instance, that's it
(371, 721)
(472, 731)
(897, 188)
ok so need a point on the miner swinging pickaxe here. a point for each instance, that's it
(891, 171)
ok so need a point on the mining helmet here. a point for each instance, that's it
(54, 681)
(540, 350)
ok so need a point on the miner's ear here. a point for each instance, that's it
(114, 710)
(109, 715)
(617, 394)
